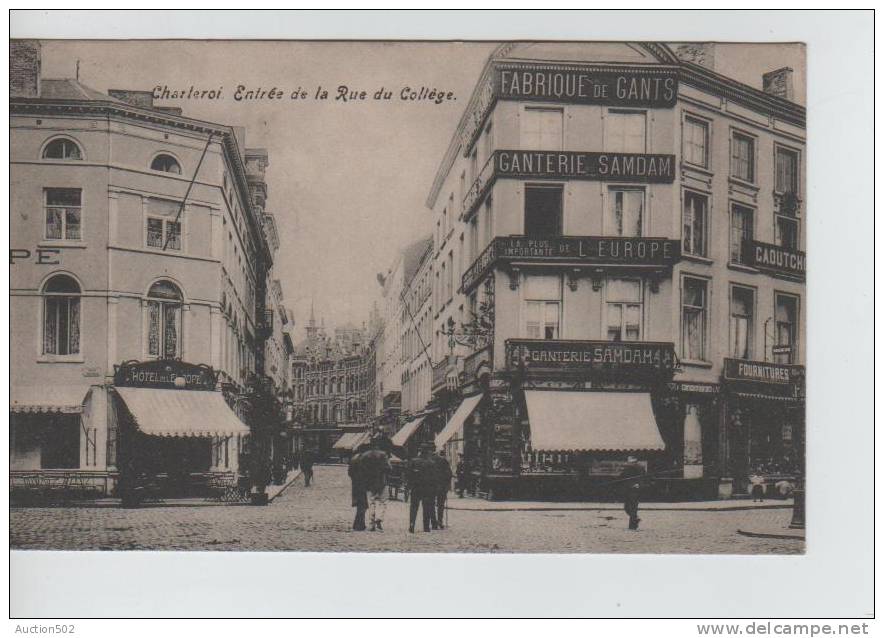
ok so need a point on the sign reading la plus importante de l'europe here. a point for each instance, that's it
(616, 85)
(575, 251)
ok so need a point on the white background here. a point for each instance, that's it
(834, 578)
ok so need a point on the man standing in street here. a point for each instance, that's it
(443, 485)
(461, 474)
(421, 475)
(307, 459)
(631, 479)
(358, 491)
(375, 468)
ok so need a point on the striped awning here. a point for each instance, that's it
(464, 410)
(592, 421)
(351, 440)
(67, 399)
(407, 431)
(197, 413)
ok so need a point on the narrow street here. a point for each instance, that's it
(318, 518)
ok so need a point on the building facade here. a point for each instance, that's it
(618, 269)
(139, 269)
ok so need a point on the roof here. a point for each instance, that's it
(412, 256)
(70, 89)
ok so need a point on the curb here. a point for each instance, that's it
(288, 483)
(791, 537)
(736, 508)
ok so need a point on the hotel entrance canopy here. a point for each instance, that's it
(185, 413)
(592, 421)
(464, 410)
(66, 399)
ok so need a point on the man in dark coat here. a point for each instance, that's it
(374, 467)
(358, 492)
(631, 479)
(443, 485)
(307, 460)
(461, 474)
(421, 475)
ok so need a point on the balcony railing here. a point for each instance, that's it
(655, 252)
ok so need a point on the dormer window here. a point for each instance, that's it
(62, 148)
(165, 164)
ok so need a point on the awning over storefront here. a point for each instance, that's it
(181, 412)
(592, 421)
(351, 440)
(407, 431)
(464, 410)
(67, 399)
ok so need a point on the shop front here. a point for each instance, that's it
(174, 435)
(562, 419)
(764, 426)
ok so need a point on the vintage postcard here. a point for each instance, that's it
(426, 296)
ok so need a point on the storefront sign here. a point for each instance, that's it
(697, 387)
(608, 86)
(763, 371)
(619, 251)
(169, 374)
(608, 467)
(632, 167)
(590, 355)
(775, 259)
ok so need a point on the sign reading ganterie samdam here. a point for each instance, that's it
(590, 355)
(642, 167)
(163, 374)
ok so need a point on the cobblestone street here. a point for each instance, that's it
(318, 519)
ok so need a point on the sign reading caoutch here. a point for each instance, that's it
(590, 355)
(775, 259)
(635, 87)
(169, 373)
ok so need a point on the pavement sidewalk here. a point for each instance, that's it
(480, 505)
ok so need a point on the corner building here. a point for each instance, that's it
(618, 270)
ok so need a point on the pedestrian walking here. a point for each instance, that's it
(358, 492)
(421, 474)
(375, 467)
(631, 479)
(307, 460)
(443, 485)
(461, 476)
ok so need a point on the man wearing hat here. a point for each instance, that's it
(443, 485)
(421, 475)
(631, 479)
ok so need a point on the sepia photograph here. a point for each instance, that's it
(411, 296)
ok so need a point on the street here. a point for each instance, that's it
(318, 518)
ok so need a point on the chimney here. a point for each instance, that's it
(24, 68)
(779, 83)
(143, 99)
(702, 53)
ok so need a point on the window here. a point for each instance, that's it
(696, 212)
(695, 141)
(164, 226)
(786, 317)
(787, 170)
(164, 321)
(786, 232)
(742, 322)
(625, 132)
(743, 157)
(488, 226)
(449, 283)
(624, 309)
(543, 302)
(63, 149)
(693, 318)
(625, 212)
(166, 164)
(63, 208)
(543, 210)
(61, 316)
(474, 238)
(741, 230)
(541, 129)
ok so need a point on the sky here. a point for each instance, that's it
(347, 182)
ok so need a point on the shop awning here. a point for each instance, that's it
(181, 412)
(464, 410)
(765, 397)
(407, 431)
(67, 399)
(351, 440)
(592, 421)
